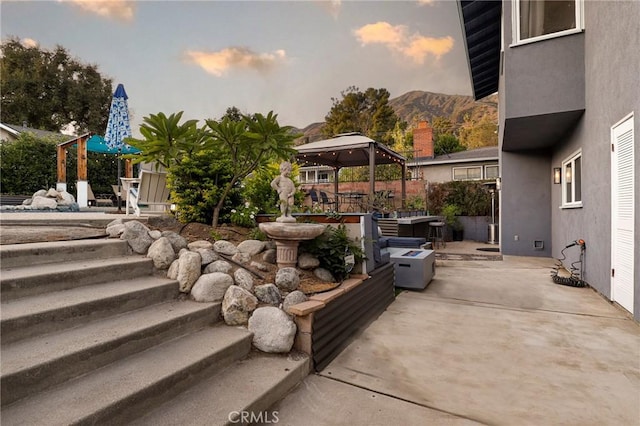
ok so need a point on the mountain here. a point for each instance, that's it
(418, 105)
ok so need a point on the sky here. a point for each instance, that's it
(289, 57)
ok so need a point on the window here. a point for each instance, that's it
(467, 173)
(323, 177)
(572, 181)
(541, 19)
(491, 172)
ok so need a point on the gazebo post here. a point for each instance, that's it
(82, 184)
(336, 172)
(372, 172)
(61, 185)
(403, 185)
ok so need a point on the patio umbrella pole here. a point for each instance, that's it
(118, 129)
(119, 183)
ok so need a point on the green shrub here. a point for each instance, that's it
(257, 190)
(196, 185)
(471, 197)
(331, 248)
(244, 215)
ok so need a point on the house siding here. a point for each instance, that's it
(605, 84)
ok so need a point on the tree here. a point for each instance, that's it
(447, 144)
(249, 144)
(476, 134)
(167, 142)
(48, 90)
(368, 113)
(28, 164)
(442, 126)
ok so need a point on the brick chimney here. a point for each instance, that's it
(423, 140)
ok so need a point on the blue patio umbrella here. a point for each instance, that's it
(118, 127)
(97, 143)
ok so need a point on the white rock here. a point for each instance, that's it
(273, 330)
(268, 293)
(177, 241)
(324, 275)
(188, 271)
(211, 287)
(242, 258)
(259, 266)
(244, 279)
(207, 255)
(172, 273)
(137, 235)
(308, 261)
(218, 266)
(287, 279)
(252, 247)
(155, 234)
(293, 298)
(161, 251)
(199, 244)
(115, 231)
(237, 304)
(225, 247)
(52, 193)
(43, 203)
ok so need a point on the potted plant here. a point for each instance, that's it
(450, 212)
(336, 251)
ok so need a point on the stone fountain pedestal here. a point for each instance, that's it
(287, 236)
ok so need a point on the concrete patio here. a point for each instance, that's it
(488, 342)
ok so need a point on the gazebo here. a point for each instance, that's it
(351, 150)
(85, 142)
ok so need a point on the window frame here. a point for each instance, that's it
(571, 160)
(497, 167)
(453, 173)
(515, 25)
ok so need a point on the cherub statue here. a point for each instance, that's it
(286, 190)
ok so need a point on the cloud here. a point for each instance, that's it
(397, 39)
(29, 42)
(218, 63)
(118, 9)
(426, 2)
(419, 47)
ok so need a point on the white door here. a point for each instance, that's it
(622, 213)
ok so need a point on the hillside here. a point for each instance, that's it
(418, 105)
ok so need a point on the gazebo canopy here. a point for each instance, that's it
(347, 150)
(351, 150)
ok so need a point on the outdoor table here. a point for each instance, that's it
(353, 200)
(415, 226)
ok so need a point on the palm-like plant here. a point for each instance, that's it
(166, 142)
(250, 144)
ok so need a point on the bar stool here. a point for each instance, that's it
(436, 234)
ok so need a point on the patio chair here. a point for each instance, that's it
(326, 201)
(314, 197)
(149, 189)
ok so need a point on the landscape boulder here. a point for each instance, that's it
(273, 330)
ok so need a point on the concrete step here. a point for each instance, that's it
(31, 316)
(240, 394)
(30, 254)
(33, 280)
(125, 389)
(33, 365)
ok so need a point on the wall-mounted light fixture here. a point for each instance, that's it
(557, 175)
